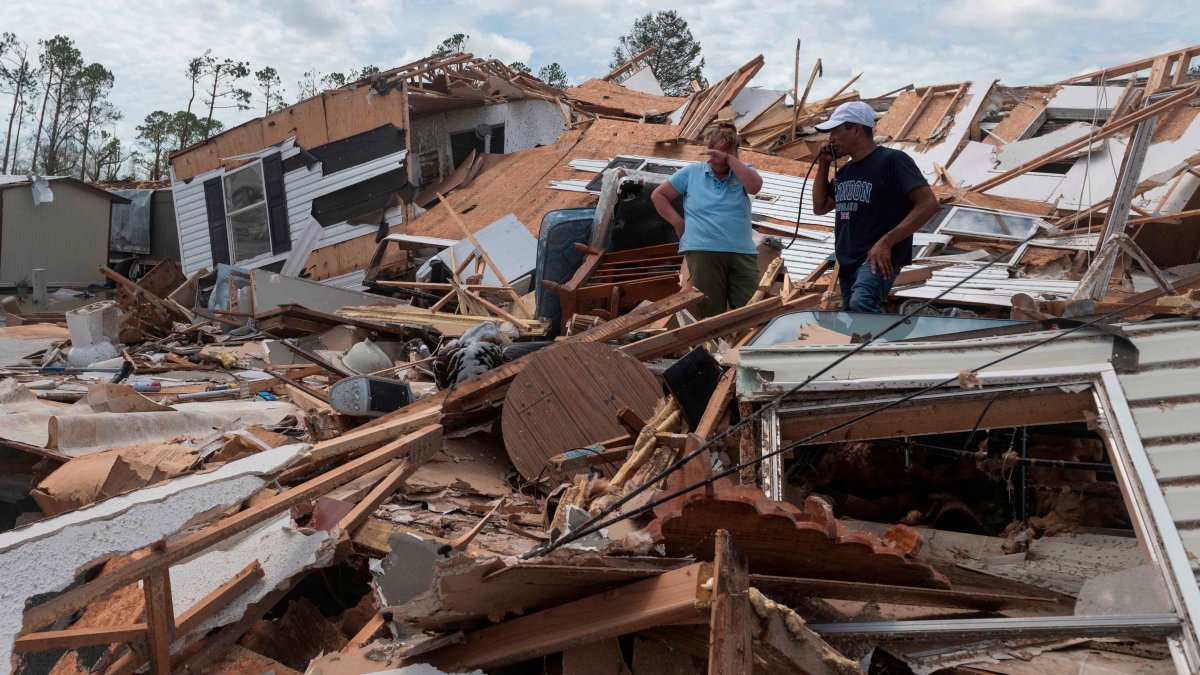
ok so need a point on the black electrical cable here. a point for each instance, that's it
(800, 206)
(592, 526)
(674, 466)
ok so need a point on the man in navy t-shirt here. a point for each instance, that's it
(881, 200)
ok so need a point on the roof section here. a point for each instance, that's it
(10, 182)
(613, 99)
(519, 184)
(433, 85)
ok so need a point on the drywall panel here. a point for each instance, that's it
(527, 124)
(272, 290)
(45, 557)
(643, 81)
(280, 548)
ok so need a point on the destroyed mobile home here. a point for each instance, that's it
(423, 389)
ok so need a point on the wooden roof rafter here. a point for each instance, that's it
(1160, 65)
(630, 67)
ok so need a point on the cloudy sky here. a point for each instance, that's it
(148, 44)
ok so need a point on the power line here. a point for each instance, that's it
(592, 527)
(674, 466)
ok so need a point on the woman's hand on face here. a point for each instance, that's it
(714, 154)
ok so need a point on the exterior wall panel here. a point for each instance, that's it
(67, 237)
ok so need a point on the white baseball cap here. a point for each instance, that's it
(851, 111)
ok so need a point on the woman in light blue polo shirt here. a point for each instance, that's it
(714, 230)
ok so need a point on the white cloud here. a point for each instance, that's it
(497, 46)
(1026, 15)
(147, 44)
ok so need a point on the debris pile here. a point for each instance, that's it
(404, 402)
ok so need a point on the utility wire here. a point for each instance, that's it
(592, 527)
(674, 466)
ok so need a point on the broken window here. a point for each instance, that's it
(246, 212)
(991, 224)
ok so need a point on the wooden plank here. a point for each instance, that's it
(386, 487)
(917, 418)
(916, 112)
(716, 405)
(673, 597)
(74, 638)
(733, 321)
(1098, 76)
(898, 595)
(77, 598)
(160, 620)
(367, 633)
(730, 642)
(362, 438)
(475, 242)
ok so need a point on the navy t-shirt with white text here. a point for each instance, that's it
(872, 198)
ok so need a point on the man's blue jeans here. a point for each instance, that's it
(862, 289)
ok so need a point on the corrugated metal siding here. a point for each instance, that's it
(67, 237)
(301, 186)
(1164, 397)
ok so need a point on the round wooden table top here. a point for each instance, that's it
(568, 396)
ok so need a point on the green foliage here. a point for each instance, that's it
(677, 60)
(452, 45)
(553, 75)
(271, 88)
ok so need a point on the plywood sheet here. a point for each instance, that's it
(351, 112)
(569, 397)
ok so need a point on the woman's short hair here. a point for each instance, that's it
(725, 134)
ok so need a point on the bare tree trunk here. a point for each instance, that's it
(54, 142)
(37, 140)
(8, 140)
(17, 140)
(87, 132)
(212, 102)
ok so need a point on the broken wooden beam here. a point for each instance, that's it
(675, 597)
(730, 642)
(831, 589)
(77, 598)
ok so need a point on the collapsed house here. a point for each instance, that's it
(331, 167)
(511, 448)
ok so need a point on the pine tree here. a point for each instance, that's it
(553, 75)
(677, 60)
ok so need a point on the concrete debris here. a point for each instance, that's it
(486, 421)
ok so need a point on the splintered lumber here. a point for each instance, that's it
(675, 597)
(717, 405)
(898, 595)
(77, 598)
(733, 321)
(779, 538)
(730, 642)
(210, 604)
(568, 397)
(160, 619)
(361, 438)
(74, 638)
(390, 483)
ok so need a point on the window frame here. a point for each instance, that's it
(230, 214)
